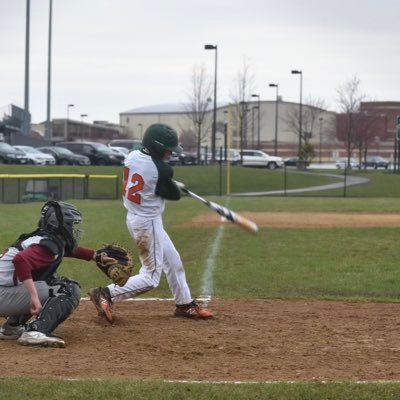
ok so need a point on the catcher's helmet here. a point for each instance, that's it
(160, 137)
(64, 219)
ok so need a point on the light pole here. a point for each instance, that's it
(49, 127)
(252, 125)
(258, 119)
(275, 85)
(242, 116)
(214, 126)
(298, 72)
(226, 122)
(320, 139)
(66, 124)
(243, 128)
(82, 116)
(26, 128)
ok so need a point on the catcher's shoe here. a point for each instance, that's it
(192, 310)
(34, 338)
(102, 301)
(9, 332)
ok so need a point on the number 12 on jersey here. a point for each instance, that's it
(137, 185)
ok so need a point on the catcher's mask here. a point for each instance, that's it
(160, 137)
(64, 219)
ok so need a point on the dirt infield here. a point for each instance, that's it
(256, 340)
(252, 340)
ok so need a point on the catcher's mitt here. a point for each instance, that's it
(118, 270)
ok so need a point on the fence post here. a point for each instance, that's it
(86, 187)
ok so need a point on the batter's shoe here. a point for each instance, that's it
(101, 299)
(8, 332)
(192, 310)
(34, 338)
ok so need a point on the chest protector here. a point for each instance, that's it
(46, 239)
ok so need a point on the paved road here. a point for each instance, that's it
(350, 181)
(331, 165)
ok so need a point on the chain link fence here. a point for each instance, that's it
(32, 187)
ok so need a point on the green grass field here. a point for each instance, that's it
(325, 263)
(213, 180)
(278, 259)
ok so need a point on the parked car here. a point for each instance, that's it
(376, 162)
(35, 156)
(10, 155)
(119, 150)
(64, 156)
(98, 153)
(182, 159)
(129, 144)
(343, 163)
(189, 158)
(205, 158)
(292, 162)
(174, 159)
(232, 155)
(257, 158)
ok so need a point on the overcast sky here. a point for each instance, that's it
(110, 56)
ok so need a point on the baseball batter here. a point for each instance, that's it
(147, 184)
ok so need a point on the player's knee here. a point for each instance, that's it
(151, 280)
(71, 290)
(58, 307)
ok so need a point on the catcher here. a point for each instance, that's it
(29, 283)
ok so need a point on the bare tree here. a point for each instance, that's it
(310, 116)
(349, 99)
(198, 103)
(241, 97)
(364, 133)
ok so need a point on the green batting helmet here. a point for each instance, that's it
(160, 137)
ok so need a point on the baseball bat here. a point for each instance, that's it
(230, 215)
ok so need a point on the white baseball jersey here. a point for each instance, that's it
(147, 183)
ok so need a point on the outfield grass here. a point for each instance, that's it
(334, 263)
(212, 180)
(205, 180)
(381, 184)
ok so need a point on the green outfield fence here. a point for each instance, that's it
(23, 188)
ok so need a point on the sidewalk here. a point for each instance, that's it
(350, 181)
